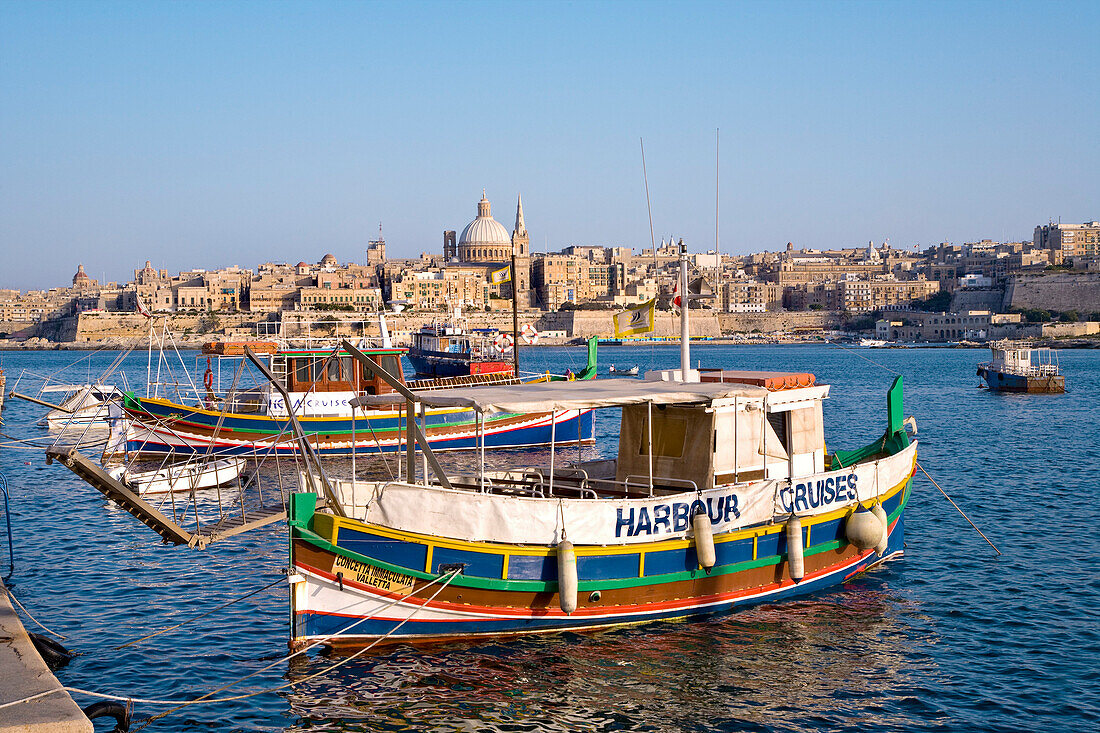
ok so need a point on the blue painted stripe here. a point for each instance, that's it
(606, 567)
(396, 552)
(477, 564)
(515, 438)
(533, 567)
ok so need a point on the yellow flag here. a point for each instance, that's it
(635, 320)
(503, 275)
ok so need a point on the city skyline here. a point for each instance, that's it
(239, 133)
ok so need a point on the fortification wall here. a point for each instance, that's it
(1058, 291)
(990, 300)
(781, 321)
(192, 329)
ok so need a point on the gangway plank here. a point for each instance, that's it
(150, 516)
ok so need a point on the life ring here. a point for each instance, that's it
(529, 334)
(208, 378)
(503, 341)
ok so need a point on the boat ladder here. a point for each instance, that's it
(150, 516)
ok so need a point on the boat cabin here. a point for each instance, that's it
(1019, 360)
(771, 429)
(673, 436)
(315, 371)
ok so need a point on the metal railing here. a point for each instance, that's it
(7, 518)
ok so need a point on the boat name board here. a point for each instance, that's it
(332, 403)
(818, 494)
(674, 516)
(377, 577)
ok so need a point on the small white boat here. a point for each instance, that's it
(87, 405)
(181, 477)
(629, 371)
(872, 343)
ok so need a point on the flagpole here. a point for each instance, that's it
(515, 315)
(685, 300)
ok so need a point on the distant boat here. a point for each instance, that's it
(449, 350)
(628, 371)
(1017, 368)
(872, 343)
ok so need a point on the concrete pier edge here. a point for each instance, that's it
(23, 674)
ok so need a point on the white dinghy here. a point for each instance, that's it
(181, 477)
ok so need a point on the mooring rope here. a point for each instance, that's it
(31, 698)
(32, 618)
(207, 699)
(201, 615)
(959, 510)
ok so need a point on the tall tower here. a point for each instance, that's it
(521, 246)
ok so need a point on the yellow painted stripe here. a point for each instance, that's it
(504, 572)
(428, 559)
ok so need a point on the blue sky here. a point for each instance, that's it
(211, 134)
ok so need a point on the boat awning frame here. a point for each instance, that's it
(582, 395)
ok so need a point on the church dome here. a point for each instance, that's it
(328, 261)
(485, 230)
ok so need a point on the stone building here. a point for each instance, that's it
(486, 242)
(1069, 241)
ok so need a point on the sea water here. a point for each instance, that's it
(949, 637)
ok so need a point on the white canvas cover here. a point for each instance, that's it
(475, 516)
(585, 395)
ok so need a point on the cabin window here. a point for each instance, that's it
(301, 370)
(778, 421)
(669, 436)
(391, 364)
(318, 370)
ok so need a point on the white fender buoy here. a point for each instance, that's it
(567, 577)
(863, 529)
(796, 563)
(880, 514)
(704, 540)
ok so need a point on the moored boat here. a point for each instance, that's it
(84, 405)
(721, 494)
(182, 477)
(319, 384)
(1017, 368)
(449, 350)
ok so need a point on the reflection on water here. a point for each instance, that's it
(766, 667)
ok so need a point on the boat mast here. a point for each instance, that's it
(515, 314)
(685, 348)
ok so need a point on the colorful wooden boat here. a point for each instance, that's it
(721, 494)
(321, 386)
